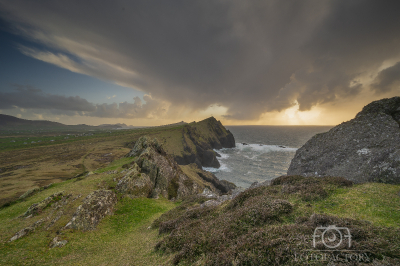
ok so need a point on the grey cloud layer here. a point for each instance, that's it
(27, 97)
(249, 56)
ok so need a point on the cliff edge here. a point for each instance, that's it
(198, 141)
(364, 149)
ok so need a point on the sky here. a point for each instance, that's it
(149, 62)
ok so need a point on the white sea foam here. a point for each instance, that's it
(223, 167)
(260, 148)
(224, 156)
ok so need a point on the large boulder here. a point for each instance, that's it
(364, 149)
(94, 208)
(135, 183)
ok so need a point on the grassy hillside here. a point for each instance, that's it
(26, 166)
(211, 235)
(125, 233)
(274, 225)
(267, 225)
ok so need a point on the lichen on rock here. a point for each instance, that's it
(364, 149)
(154, 173)
(26, 230)
(38, 207)
(57, 242)
(135, 183)
(94, 208)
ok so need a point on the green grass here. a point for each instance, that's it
(261, 227)
(115, 165)
(375, 202)
(120, 239)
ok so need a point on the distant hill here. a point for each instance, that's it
(8, 121)
(174, 124)
(118, 125)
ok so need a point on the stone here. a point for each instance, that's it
(29, 193)
(154, 173)
(26, 230)
(260, 184)
(37, 208)
(94, 208)
(57, 242)
(364, 149)
(208, 193)
(144, 143)
(136, 184)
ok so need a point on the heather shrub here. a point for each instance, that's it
(188, 202)
(262, 227)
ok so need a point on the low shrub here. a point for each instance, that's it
(253, 228)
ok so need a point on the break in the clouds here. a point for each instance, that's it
(28, 97)
(251, 57)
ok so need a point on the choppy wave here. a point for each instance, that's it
(263, 148)
(223, 167)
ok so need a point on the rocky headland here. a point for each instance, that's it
(364, 149)
(151, 172)
(199, 141)
(157, 206)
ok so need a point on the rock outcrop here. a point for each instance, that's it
(199, 140)
(94, 208)
(37, 208)
(57, 242)
(364, 149)
(26, 230)
(154, 173)
(222, 186)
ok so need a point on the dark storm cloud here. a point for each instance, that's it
(28, 97)
(249, 56)
(388, 79)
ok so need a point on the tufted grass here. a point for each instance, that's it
(375, 202)
(120, 239)
(258, 227)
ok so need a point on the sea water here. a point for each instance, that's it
(261, 152)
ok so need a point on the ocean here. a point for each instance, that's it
(261, 152)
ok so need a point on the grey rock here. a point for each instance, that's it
(94, 208)
(48, 186)
(237, 191)
(36, 208)
(155, 173)
(135, 183)
(217, 200)
(364, 149)
(222, 186)
(26, 230)
(208, 193)
(29, 193)
(260, 184)
(144, 143)
(57, 242)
